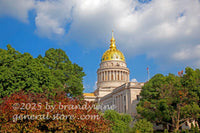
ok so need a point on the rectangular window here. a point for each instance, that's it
(138, 97)
(124, 108)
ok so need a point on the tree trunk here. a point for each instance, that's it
(177, 127)
(177, 124)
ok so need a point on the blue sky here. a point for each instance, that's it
(163, 35)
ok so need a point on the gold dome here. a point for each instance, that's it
(113, 53)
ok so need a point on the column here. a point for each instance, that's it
(109, 75)
(104, 73)
(118, 104)
(98, 78)
(124, 76)
(104, 76)
(121, 108)
(121, 103)
(120, 75)
(113, 75)
(117, 75)
(128, 76)
(126, 102)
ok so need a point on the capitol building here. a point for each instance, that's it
(113, 83)
(114, 86)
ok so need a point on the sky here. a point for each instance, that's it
(163, 35)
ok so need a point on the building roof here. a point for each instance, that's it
(88, 94)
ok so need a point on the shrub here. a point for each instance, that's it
(143, 126)
(120, 122)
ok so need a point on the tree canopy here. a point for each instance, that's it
(171, 100)
(53, 71)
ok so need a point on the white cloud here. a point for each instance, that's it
(188, 54)
(95, 86)
(166, 30)
(133, 80)
(52, 17)
(16, 8)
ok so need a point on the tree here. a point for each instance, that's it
(120, 122)
(54, 70)
(68, 74)
(191, 79)
(168, 100)
(34, 112)
(143, 126)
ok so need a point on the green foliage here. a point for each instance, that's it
(194, 128)
(143, 126)
(54, 70)
(171, 99)
(166, 131)
(120, 122)
(185, 131)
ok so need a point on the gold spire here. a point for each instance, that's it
(112, 42)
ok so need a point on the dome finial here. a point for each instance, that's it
(112, 42)
(112, 34)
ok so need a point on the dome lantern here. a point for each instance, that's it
(112, 42)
